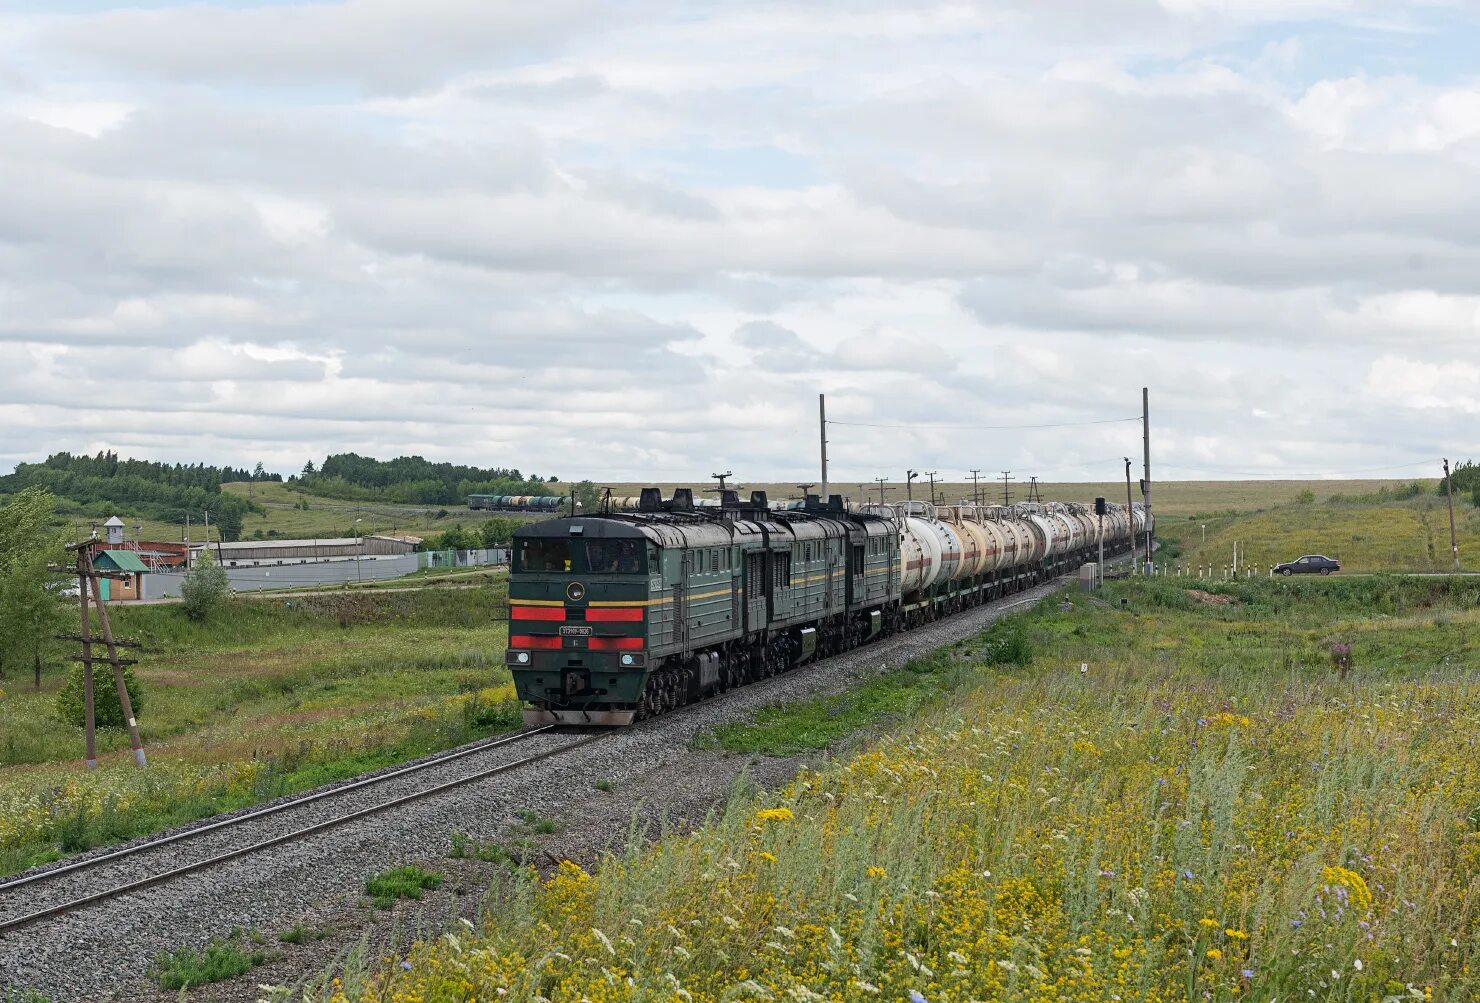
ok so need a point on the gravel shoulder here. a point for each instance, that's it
(104, 952)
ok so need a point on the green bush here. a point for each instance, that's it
(1007, 643)
(216, 962)
(404, 882)
(205, 587)
(107, 711)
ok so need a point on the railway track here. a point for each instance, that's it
(18, 896)
(74, 886)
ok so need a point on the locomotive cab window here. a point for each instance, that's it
(622, 557)
(544, 555)
(858, 560)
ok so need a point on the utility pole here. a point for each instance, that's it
(1034, 495)
(1453, 540)
(89, 588)
(976, 486)
(1130, 510)
(822, 430)
(931, 474)
(1006, 497)
(881, 481)
(1146, 445)
(909, 484)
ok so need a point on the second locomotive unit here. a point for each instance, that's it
(621, 615)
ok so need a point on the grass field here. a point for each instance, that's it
(323, 519)
(270, 697)
(1410, 535)
(1177, 498)
(1179, 800)
(327, 517)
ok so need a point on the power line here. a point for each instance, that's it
(982, 428)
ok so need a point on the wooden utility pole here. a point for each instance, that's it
(881, 481)
(976, 486)
(1146, 445)
(1006, 497)
(87, 674)
(1449, 489)
(931, 474)
(89, 587)
(1130, 511)
(822, 431)
(124, 702)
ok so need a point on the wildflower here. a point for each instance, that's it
(767, 856)
(1357, 964)
(1207, 923)
(774, 815)
(876, 872)
(1235, 934)
(1247, 973)
(1214, 954)
(916, 996)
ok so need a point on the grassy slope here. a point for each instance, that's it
(271, 696)
(1397, 536)
(1207, 813)
(325, 517)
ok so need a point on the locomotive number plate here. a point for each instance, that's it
(575, 631)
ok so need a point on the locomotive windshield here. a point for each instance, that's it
(544, 555)
(615, 556)
(623, 557)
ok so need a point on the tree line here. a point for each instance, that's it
(99, 485)
(411, 480)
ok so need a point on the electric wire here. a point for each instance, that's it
(981, 428)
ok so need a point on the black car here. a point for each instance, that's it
(1310, 564)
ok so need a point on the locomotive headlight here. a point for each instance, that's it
(627, 659)
(523, 658)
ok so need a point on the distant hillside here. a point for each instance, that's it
(411, 480)
(105, 485)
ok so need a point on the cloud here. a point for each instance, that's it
(545, 236)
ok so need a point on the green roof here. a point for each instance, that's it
(121, 560)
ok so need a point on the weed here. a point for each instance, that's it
(302, 933)
(405, 882)
(188, 966)
(602, 784)
(534, 822)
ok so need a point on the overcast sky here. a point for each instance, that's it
(633, 241)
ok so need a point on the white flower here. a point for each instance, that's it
(1357, 964)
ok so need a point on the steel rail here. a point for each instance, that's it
(287, 837)
(250, 816)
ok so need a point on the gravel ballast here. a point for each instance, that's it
(106, 948)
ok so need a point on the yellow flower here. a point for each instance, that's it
(774, 815)
(1214, 954)
(767, 855)
(1236, 934)
(1210, 924)
(877, 872)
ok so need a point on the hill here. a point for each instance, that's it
(92, 488)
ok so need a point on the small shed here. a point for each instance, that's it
(128, 564)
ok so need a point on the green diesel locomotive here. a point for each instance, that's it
(618, 616)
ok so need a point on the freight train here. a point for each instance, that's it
(516, 503)
(617, 616)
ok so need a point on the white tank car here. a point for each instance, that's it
(975, 556)
(919, 555)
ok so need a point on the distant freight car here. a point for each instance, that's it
(516, 503)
